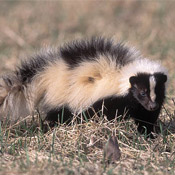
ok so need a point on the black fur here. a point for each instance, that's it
(115, 107)
(87, 50)
(129, 107)
(30, 67)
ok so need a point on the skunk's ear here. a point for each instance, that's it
(133, 80)
(162, 78)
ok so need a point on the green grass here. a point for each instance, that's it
(27, 148)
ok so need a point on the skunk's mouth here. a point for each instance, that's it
(151, 106)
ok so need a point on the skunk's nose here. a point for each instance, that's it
(153, 106)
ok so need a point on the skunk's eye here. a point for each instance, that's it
(143, 93)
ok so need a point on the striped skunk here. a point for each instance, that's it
(82, 76)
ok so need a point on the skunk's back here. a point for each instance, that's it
(32, 66)
(74, 53)
(79, 51)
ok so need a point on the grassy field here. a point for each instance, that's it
(27, 26)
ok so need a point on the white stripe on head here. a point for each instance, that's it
(152, 83)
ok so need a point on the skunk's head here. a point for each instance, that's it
(148, 89)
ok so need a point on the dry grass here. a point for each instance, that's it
(26, 26)
(66, 149)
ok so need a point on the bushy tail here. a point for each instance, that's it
(15, 102)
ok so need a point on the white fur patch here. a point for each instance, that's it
(82, 93)
(152, 83)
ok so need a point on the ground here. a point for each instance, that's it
(27, 26)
